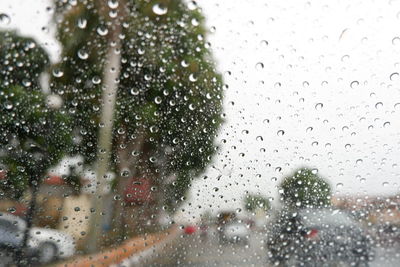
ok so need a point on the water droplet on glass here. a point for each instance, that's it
(280, 132)
(82, 23)
(184, 63)
(259, 66)
(359, 161)
(385, 184)
(192, 5)
(96, 80)
(113, 4)
(339, 185)
(8, 105)
(347, 146)
(158, 100)
(386, 124)
(396, 41)
(26, 82)
(134, 91)
(160, 9)
(57, 73)
(82, 54)
(192, 77)
(259, 138)
(264, 43)
(354, 84)
(319, 106)
(102, 30)
(394, 76)
(4, 19)
(378, 105)
(309, 129)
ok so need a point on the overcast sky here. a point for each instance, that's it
(310, 83)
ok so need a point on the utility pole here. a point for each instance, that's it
(111, 74)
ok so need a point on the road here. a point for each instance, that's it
(191, 250)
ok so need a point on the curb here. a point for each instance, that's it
(128, 253)
(137, 258)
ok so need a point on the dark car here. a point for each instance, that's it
(388, 234)
(317, 237)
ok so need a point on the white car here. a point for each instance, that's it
(237, 232)
(47, 244)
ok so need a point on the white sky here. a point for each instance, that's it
(315, 50)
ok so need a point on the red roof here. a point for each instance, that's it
(138, 191)
(54, 180)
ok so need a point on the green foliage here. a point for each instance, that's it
(22, 60)
(305, 189)
(33, 137)
(256, 202)
(168, 89)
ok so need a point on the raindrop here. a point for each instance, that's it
(339, 185)
(8, 105)
(4, 19)
(160, 9)
(347, 146)
(386, 124)
(385, 184)
(192, 78)
(354, 84)
(264, 43)
(57, 73)
(102, 30)
(396, 41)
(184, 63)
(359, 161)
(309, 129)
(113, 4)
(319, 106)
(280, 132)
(158, 100)
(82, 54)
(378, 105)
(96, 80)
(259, 138)
(397, 106)
(394, 76)
(82, 23)
(134, 91)
(314, 171)
(192, 5)
(26, 82)
(259, 66)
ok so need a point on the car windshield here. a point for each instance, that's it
(200, 132)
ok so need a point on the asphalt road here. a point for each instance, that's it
(192, 250)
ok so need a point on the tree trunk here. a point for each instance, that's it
(21, 257)
(111, 74)
(126, 161)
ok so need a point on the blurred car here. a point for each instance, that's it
(314, 237)
(236, 232)
(387, 234)
(44, 244)
(190, 229)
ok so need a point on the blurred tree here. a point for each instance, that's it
(305, 189)
(169, 97)
(22, 61)
(256, 202)
(33, 136)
